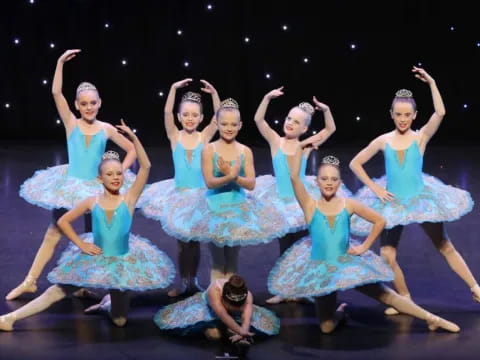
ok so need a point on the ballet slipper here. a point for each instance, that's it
(29, 285)
(434, 322)
(274, 300)
(6, 322)
(104, 305)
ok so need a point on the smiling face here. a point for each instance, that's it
(111, 175)
(88, 103)
(403, 113)
(229, 124)
(190, 115)
(295, 123)
(328, 180)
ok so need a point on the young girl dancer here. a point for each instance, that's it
(225, 216)
(110, 257)
(187, 144)
(406, 195)
(278, 190)
(62, 187)
(226, 307)
(325, 262)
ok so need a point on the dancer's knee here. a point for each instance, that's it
(120, 321)
(327, 326)
(389, 253)
(446, 247)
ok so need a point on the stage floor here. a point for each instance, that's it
(64, 332)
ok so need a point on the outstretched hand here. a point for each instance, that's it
(68, 55)
(207, 87)
(275, 93)
(422, 75)
(182, 83)
(320, 106)
(124, 129)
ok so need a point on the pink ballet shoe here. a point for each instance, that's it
(29, 285)
(434, 322)
(475, 293)
(277, 299)
(6, 322)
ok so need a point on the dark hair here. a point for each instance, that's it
(235, 291)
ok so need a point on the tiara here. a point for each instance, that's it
(229, 104)
(236, 297)
(192, 96)
(331, 160)
(111, 155)
(86, 86)
(403, 93)
(305, 106)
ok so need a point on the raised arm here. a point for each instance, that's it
(133, 193)
(209, 131)
(214, 299)
(304, 199)
(267, 132)
(65, 224)
(170, 127)
(431, 127)
(356, 165)
(370, 215)
(68, 118)
(124, 143)
(322, 136)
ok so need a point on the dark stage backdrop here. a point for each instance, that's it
(351, 55)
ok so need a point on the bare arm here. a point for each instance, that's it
(212, 181)
(370, 215)
(306, 202)
(68, 118)
(431, 127)
(169, 120)
(330, 127)
(357, 167)
(65, 224)
(267, 132)
(214, 299)
(247, 181)
(124, 143)
(133, 193)
(247, 312)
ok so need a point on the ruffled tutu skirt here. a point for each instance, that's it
(266, 192)
(159, 198)
(295, 274)
(436, 202)
(144, 267)
(52, 188)
(194, 315)
(188, 215)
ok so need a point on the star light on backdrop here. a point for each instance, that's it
(259, 47)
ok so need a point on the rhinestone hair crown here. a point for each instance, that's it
(111, 155)
(307, 107)
(192, 96)
(403, 93)
(331, 160)
(229, 104)
(84, 86)
(236, 297)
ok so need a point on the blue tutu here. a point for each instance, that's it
(144, 267)
(418, 197)
(266, 190)
(54, 188)
(297, 275)
(194, 314)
